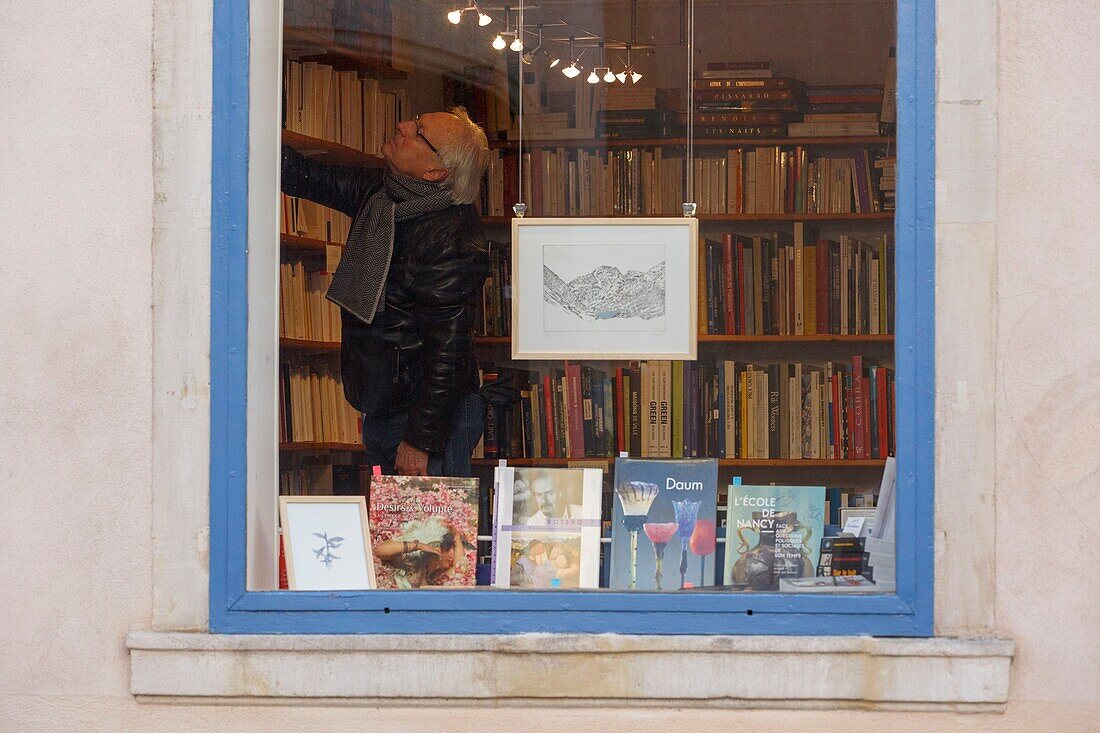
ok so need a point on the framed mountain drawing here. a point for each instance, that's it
(604, 288)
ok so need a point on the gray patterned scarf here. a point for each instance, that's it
(360, 279)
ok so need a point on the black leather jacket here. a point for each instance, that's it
(416, 356)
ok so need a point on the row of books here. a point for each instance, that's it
(328, 104)
(800, 285)
(650, 180)
(304, 218)
(304, 312)
(323, 478)
(674, 409)
(312, 408)
(888, 181)
(663, 527)
(494, 314)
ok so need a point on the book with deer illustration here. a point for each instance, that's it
(424, 530)
(663, 531)
(546, 527)
(772, 532)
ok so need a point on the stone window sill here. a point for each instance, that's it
(555, 669)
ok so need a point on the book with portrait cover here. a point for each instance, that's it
(663, 530)
(772, 532)
(546, 527)
(423, 530)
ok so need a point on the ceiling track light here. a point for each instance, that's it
(455, 16)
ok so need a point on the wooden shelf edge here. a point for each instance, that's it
(308, 345)
(331, 152)
(319, 447)
(297, 38)
(305, 244)
(703, 142)
(724, 462)
(746, 218)
(723, 338)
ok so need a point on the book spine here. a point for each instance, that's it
(620, 414)
(528, 425)
(859, 416)
(773, 411)
(560, 413)
(575, 410)
(740, 118)
(676, 409)
(767, 287)
(822, 291)
(664, 415)
(738, 281)
(790, 94)
(711, 287)
(599, 416)
(728, 291)
(882, 389)
(588, 412)
(635, 395)
(743, 131)
(778, 82)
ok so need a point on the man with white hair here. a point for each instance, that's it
(407, 284)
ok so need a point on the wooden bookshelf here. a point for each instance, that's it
(307, 345)
(311, 47)
(330, 152)
(817, 338)
(319, 447)
(887, 216)
(295, 246)
(874, 463)
(672, 142)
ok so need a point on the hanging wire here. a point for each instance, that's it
(520, 208)
(689, 173)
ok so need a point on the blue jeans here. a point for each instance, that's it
(383, 433)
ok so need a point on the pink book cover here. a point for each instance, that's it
(424, 530)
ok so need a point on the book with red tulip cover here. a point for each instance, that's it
(546, 527)
(663, 532)
(772, 532)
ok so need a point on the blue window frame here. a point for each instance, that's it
(233, 609)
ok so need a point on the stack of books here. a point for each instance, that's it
(841, 111)
(744, 99)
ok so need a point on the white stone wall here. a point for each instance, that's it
(90, 289)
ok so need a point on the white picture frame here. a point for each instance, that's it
(326, 540)
(653, 265)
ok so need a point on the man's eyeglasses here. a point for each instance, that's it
(416, 121)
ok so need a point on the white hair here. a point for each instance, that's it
(465, 158)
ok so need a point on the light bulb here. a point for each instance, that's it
(483, 19)
(609, 77)
(593, 79)
(571, 71)
(516, 45)
(635, 77)
(498, 43)
(554, 62)
(621, 76)
(455, 16)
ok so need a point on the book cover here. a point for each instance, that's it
(663, 530)
(424, 530)
(546, 531)
(772, 532)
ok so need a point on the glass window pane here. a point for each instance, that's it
(755, 460)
